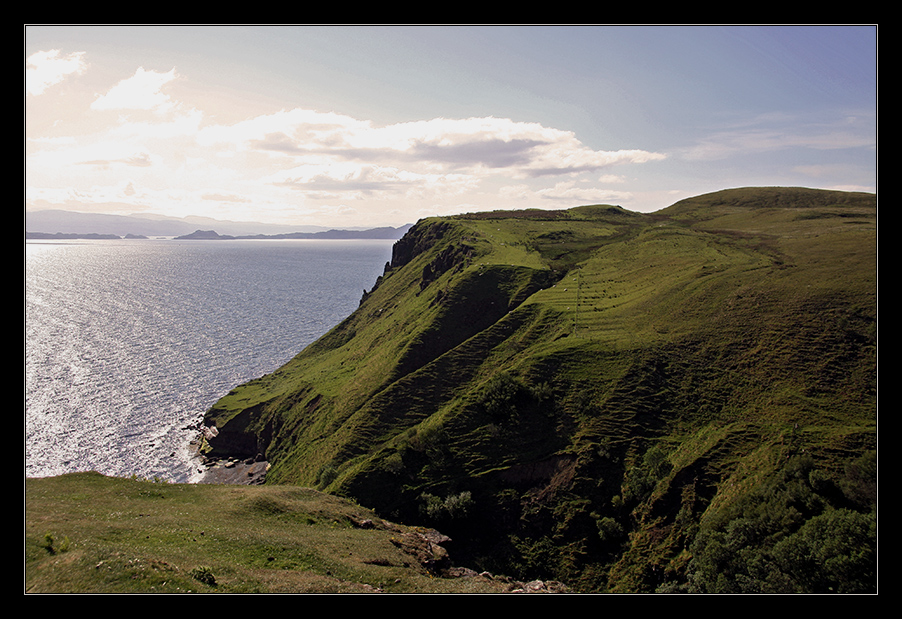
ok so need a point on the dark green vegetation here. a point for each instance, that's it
(624, 402)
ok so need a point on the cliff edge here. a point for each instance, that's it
(598, 394)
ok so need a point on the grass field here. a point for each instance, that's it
(86, 533)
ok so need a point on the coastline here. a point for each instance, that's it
(226, 470)
(233, 471)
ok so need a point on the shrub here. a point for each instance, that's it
(834, 552)
(505, 397)
(609, 531)
(458, 505)
(860, 482)
(499, 400)
(452, 507)
(204, 575)
(394, 463)
(644, 476)
(786, 538)
(326, 475)
(51, 546)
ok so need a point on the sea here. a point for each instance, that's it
(128, 342)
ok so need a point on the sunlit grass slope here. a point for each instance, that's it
(526, 364)
(86, 533)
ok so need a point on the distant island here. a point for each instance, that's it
(65, 236)
(52, 224)
(387, 233)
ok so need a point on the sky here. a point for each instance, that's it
(348, 126)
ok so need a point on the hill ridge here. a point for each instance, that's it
(604, 350)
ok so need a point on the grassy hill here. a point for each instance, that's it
(528, 380)
(676, 401)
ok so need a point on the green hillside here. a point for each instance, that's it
(677, 401)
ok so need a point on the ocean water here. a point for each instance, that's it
(128, 343)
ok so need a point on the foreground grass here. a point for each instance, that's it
(88, 533)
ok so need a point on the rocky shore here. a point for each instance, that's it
(248, 471)
(233, 471)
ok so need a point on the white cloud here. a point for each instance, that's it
(47, 68)
(566, 191)
(139, 92)
(310, 157)
(437, 147)
(288, 131)
(304, 161)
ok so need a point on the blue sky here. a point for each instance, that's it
(383, 125)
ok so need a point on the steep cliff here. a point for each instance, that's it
(586, 393)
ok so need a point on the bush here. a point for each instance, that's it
(326, 475)
(834, 552)
(860, 482)
(52, 547)
(458, 505)
(786, 538)
(499, 400)
(609, 531)
(203, 575)
(452, 507)
(505, 397)
(642, 478)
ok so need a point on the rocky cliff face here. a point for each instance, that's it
(587, 394)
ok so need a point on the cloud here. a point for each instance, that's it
(563, 160)
(301, 160)
(221, 197)
(568, 192)
(353, 181)
(291, 131)
(490, 144)
(139, 92)
(343, 180)
(48, 68)
(439, 146)
(488, 151)
(780, 132)
(141, 160)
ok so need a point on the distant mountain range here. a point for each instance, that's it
(70, 224)
(372, 233)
